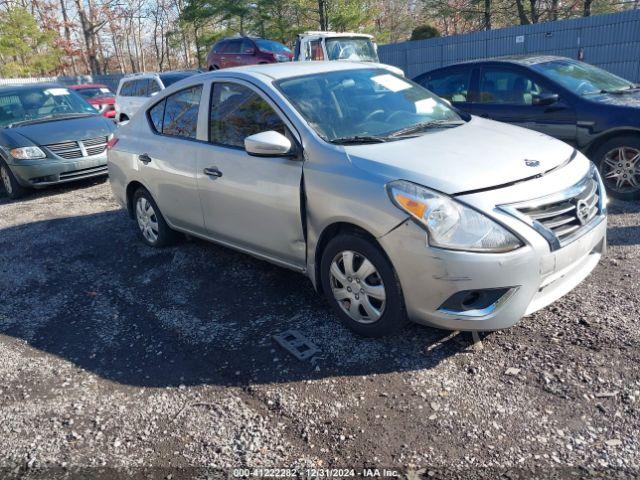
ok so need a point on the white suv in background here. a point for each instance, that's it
(135, 89)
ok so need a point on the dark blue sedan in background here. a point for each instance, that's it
(585, 106)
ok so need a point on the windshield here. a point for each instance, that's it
(363, 103)
(271, 46)
(25, 104)
(582, 78)
(351, 48)
(94, 92)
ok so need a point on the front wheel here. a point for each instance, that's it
(359, 282)
(618, 160)
(10, 183)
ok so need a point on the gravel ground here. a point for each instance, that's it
(121, 360)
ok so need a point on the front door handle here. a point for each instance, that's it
(213, 172)
(144, 158)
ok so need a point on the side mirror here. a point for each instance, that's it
(268, 144)
(545, 99)
(249, 51)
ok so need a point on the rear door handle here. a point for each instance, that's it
(213, 172)
(484, 115)
(144, 158)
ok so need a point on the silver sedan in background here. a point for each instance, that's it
(395, 205)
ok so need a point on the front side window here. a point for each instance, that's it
(271, 46)
(141, 88)
(238, 112)
(509, 87)
(354, 48)
(454, 86)
(177, 115)
(247, 46)
(364, 102)
(582, 78)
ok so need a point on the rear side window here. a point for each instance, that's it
(454, 86)
(233, 46)
(156, 114)
(237, 112)
(153, 86)
(177, 115)
(218, 47)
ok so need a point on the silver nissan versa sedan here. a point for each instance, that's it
(395, 205)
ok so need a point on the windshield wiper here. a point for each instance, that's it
(48, 118)
(359, 139)
(419, 127)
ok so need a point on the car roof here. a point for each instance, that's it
(323, 33)
(28, 86)
(514, 59)
(278, 71)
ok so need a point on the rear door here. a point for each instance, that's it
(510, 94)
(452, 84)
(168, 158)
(231, 54)
(252, 203)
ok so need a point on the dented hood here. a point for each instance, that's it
(477, 155)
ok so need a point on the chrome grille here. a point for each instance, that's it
(562, 218)
(79, 149)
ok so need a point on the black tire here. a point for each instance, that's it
(631, 142)
(165, 236)
(13, 189)
(393, 314)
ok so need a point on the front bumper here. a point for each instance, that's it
(534, 275)
(45, 172)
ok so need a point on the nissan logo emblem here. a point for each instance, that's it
(531, 163)
(582, 211)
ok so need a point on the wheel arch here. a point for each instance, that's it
(608, 135)
(132, 187)
(331, 231)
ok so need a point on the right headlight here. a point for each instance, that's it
(27, 153)
(451, 224)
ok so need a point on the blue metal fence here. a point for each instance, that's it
(609, 41)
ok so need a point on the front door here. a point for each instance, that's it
(249, 202)
(510, 95)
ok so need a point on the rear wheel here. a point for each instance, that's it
(618, 160)
(152, 225)
(10, 183)
(359, 282)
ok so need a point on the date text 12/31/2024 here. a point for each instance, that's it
(313, 473)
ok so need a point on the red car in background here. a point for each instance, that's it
(99, 96)
(238, 51)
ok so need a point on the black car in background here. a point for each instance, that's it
(49, 135)
(590, 108)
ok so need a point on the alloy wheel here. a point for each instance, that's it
(357, 286)
(6, 180)
(621, 169)
(147, 219)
